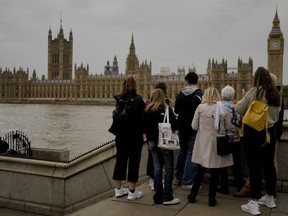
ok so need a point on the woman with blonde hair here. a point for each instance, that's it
(211, 118)
(154, 114)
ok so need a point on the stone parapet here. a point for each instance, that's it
(56, 188)
(50, 154)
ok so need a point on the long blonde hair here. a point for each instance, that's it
(157, 98)
(211, 95)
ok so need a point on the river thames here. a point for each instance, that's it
(78, 128)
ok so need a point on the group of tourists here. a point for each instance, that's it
(199, 118)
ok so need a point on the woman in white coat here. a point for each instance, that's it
(206, 122)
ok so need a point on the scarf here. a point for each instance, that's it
(219, 112)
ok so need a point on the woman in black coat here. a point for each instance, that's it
(129, 139)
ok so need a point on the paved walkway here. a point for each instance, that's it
(227, 205)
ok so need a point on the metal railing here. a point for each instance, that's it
(16, 143)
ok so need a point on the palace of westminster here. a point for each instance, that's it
(17, 87)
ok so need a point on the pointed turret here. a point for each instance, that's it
(61, 33)
(132, 46)
(132, 63)
(70, 35)
(209, 63)
(50, 34)
(34, 76)
(115, 68)
(276, 25)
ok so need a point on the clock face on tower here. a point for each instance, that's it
(275, 44)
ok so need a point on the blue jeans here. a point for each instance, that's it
(162, 157)
(185, 168)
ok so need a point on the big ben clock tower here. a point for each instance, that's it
(275, 47)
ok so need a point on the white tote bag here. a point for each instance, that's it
(167, 139)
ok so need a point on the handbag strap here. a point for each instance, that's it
(218, 130)
(166, 116)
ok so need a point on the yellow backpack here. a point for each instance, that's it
(256, 117)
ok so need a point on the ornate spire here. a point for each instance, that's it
(132, 46)
(61, 19)
(70, 35)
(61, 34)
(276, 25)
(50, 33)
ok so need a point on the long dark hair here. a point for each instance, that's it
(162, 86)
(129, 85)
(264, 83)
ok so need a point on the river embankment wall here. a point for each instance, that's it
(56, 188)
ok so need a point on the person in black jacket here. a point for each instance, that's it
(154, 114)
(186, 103)
(129, 141)
(150, 166)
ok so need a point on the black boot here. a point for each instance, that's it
(212, 201)
(191, 198)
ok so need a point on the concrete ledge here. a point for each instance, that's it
(31, 207)
(55, 188)
(50, 154)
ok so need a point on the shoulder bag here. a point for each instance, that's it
(223, 143)
(167, 139)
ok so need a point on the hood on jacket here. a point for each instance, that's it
(187, 90)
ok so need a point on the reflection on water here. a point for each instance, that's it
(78, 128)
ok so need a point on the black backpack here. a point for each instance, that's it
(121, 114)
(122, 110)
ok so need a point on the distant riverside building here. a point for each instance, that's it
(112, 70)
(60, 53)
(17, 86)
(165, 71)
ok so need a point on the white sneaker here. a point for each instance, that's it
(151, 184)
(172, 202)
(121, 192)
(152, 187)
(251, 207)
(135, 195)
(267, 200)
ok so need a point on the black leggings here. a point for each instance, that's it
(260, 156)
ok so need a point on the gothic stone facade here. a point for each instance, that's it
(16, 86)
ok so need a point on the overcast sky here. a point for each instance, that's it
(168, 33)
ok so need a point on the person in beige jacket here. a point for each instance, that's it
(206, 122)
(259, 154)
